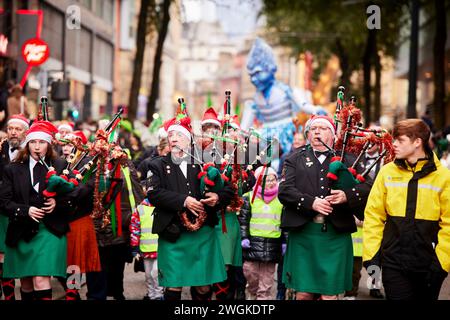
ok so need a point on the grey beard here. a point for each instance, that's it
(15, 143)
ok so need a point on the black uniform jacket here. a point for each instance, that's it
(168, 189)
(303, 179)
(4, 157)
(15, 199)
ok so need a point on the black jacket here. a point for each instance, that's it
(303, 179)
(4, 157)
(105, 235)
(261, 249)
(168, 189)
(14, 201)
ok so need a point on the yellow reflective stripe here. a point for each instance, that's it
(149, 241)
(395, 184)
(267, 227)
(272, 216)
(126, 173)
(429, 186)
(405, 184)
(357, 240)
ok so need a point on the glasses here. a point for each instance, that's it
(322, 129)
(271, 180)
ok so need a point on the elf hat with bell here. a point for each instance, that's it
(41, 130)
(210, 117)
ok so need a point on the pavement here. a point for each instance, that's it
(134, 287)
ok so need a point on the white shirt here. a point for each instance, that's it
(13, 155)
(183, 168)
(321, 158)
(369, 163)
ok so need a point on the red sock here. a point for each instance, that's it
(8, 289)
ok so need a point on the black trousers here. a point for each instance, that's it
(405, 285)
(356, 276)
(109, 282)
(281, 288)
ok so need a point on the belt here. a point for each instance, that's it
(320, 218)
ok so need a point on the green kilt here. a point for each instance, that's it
(194, 259)
(318, 262)
(230, 242)
(44, 255)
(3, 227)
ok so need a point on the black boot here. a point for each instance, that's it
(196, 296)
(43, 294)
(376, 293)
(26, 296)
(172, 295)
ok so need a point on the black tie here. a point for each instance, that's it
(319, 153)
(39, 173)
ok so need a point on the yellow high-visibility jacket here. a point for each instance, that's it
(407, 217)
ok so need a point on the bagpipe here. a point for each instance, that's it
(353, 138)
(224, 165)
(55, 184)
(102, 159)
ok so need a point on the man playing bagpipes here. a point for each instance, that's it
(188, 249)
(227, 150)
(16, 128)
(318, 216)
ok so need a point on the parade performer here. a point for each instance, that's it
(318, 260)
(16, 128)
(407, 218)
(275, 104)
(116, 193)
(241, 181)
(188, 249)
(82, 250)
(261, 236)
(35, 240)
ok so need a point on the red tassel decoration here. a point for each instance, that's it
(337, 158)
(50, 173)
(201, 174)
(332, 176)
(48, 194)
(209, 182)
(352, 171)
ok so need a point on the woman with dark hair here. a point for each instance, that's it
(35, 239)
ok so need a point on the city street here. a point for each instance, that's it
(204, 133)
(135, 287)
